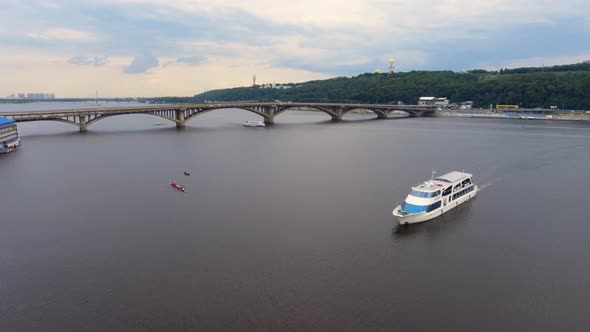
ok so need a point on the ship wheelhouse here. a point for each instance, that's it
(424, 197)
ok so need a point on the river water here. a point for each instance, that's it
(289, 227)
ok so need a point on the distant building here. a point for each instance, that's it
(35, 96)
(274, 86)
(433, 101)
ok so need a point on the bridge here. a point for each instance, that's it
(181, 113)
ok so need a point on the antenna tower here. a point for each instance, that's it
(391, 65)
(254, 80)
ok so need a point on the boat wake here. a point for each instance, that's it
(484, 186)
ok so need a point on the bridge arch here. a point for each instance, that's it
(104, 116)
(207, 110)
(380, 113)
(414, 113)
(52, 119)
(332, 114)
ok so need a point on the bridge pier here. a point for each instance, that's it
(269, 119)
(337, 114)
(83, 127)
(180, 118)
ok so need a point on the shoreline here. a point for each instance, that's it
(487, 114)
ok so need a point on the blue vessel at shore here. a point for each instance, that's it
(9, 139)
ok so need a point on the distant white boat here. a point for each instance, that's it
(253, 124)
(436, 196)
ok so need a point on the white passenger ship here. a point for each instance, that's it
(9, 138)
(436, 196)
(253, 124)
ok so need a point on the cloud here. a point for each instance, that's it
(97, 61)
(190, 60)
(293, 40)
(141, 63)
(62, 34)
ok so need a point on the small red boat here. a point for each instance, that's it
(176, 186)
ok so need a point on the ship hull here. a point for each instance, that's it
(406, 219)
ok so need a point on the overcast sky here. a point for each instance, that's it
(183, 47)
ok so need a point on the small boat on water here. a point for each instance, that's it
(253, 124)
(176, 186)
(436, 196)
(187, 173)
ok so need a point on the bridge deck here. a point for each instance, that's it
(159, 107)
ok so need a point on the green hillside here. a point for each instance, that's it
(566, 86)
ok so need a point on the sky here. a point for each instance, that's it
(143, 48)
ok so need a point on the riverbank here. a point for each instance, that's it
(485, 113)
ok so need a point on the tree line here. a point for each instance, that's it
(565, 86)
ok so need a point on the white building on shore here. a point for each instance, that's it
(433, 101)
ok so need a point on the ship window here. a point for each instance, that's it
(419, 193)
(412, 209)
(447, 191)
(434, 206)
(7, 129)
(462, 192)
(424, 194)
